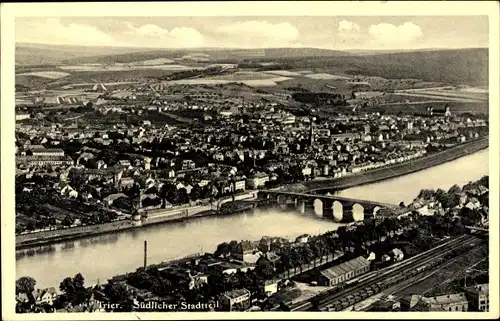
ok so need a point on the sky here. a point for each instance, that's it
(339, 32)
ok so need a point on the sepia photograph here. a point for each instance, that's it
(188, 159)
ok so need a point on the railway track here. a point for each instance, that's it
(374, 282)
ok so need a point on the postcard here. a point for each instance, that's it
(200, 160)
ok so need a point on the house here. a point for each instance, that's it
(478, 296)
(460, 199)
(38, 296)
(247, 252)
(302, 238)
(408, 302)
(240, 184)
(397, 254)
(306, 171)
(46, 296)
(124, 163)
(101, 164)
(190, 280)
(188, 164)
(127, 182)
(270, 287)
(385, 257)
(24, 297)
(272, 257)
(265, 244)
(69, 191)
(344, 271)
(450, 302)
(47, 152)
(257, 180)
(473, 203)
(236, 300)
(108, 200)
(189, 188)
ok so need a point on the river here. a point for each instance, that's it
(101, 257)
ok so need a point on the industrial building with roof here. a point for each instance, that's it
(343, 272)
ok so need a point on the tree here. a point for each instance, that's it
(223, 249)
(183, 196)
(265, 268)
(196, 193)
(426, 194)
(117, 293)
(74, 289)
(485, 181)
(25, 284)
(454, 189)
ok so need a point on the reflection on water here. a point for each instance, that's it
(101, 257)
(406, 188)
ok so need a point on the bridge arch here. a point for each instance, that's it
(338, 211)
(318, 206)
(291, 200)
(358, 212)
(281, 201)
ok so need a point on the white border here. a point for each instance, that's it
(309, 8)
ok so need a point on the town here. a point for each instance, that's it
(91, 165)
(122, 163)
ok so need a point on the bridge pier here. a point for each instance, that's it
(308, 208)
(328, 208)
(347, 213)
(301, 206)
(369, 213)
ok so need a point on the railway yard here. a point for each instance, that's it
(413, 275)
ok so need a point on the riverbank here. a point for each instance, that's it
(30, 240)
(392, 171)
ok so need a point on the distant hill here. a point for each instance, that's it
(371, 52)
(455, 66)
(213, 54)
(41, 54)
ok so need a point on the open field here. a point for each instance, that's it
(285, 73)
(126, 67)
(113, 83)
(151, 62)
(250, 78)
(324, 76)
(437, 95)
(212, 81)
(368, 94)
(457, 107)
(245, 75)
(93, 77)
(46, 74)
(474, 90)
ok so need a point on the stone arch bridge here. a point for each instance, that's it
(334, 207)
